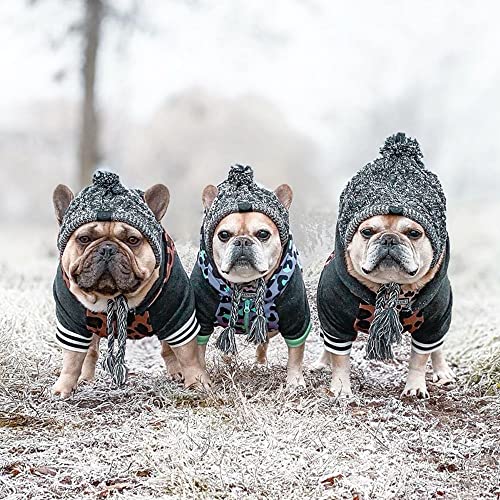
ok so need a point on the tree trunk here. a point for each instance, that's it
(88, 154)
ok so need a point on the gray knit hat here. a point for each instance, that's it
(239, 193)
(395, 183)
(106, 199)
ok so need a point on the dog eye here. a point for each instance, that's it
(133, 240)
(84, 240)
(224, 236)
(414, 234)
(367, 232)
(263, 234)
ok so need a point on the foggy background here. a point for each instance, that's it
(305, 91)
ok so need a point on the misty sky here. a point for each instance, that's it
(329, 66)
(313, 57)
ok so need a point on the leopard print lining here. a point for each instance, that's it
(411, 320)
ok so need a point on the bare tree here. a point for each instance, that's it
(89, 28)
(89, 152)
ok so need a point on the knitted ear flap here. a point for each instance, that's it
(386, 328)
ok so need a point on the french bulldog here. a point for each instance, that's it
(388, 274)
(386, 249)
(246, 247)
(106, 259)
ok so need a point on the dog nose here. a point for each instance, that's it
(388, 240)
(107, 250)
(242, 241)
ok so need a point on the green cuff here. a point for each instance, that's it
(202, 339)
(298, 342)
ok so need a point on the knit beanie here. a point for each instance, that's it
(395, 183)
(106, 199)
(239, 193)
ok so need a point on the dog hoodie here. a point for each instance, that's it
(285, 301)
(346, 307)
(168, 310)
(395, 183)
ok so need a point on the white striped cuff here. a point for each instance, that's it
(336, 345)
(72, 341)
(185, 334)
(422, 348)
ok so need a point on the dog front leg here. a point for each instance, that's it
(415, 383)
(322, 362)
(174, 370)
(71, 370)
(261, 350)
(341, 374)
(195, 375)
(89, 364)
(202, 352)
(294, 374)
(442, 374)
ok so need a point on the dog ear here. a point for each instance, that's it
(285, 195)
(208, 196)
(61, 199)
(157, 198)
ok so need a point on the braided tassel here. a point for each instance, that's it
(114, 362)
(258, 330)
(227, 339)
(386, 327)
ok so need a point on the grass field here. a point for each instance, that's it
(250, 438)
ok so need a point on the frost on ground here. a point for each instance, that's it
(249, 438)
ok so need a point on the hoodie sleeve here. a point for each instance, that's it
(206, 300)
(436, 318)
(176, 312)
(71, 328)
(337, 309)
(293, 311)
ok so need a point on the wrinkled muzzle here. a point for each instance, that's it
(243, 253)
(389, 251)
(107, 270)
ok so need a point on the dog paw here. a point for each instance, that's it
(174, 371)
(341, 388)
(322, 363)
(443, 375)
(318, 365)
(197, 380)
(86, 378)
(295, 381)
(415, 390)
(64, 387)
(260, 360)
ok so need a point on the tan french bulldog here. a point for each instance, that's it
(102, 260)
(247, 242)
(386, 249)
(388, 274)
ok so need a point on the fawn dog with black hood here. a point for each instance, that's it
(388, 273)
(120, 277)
